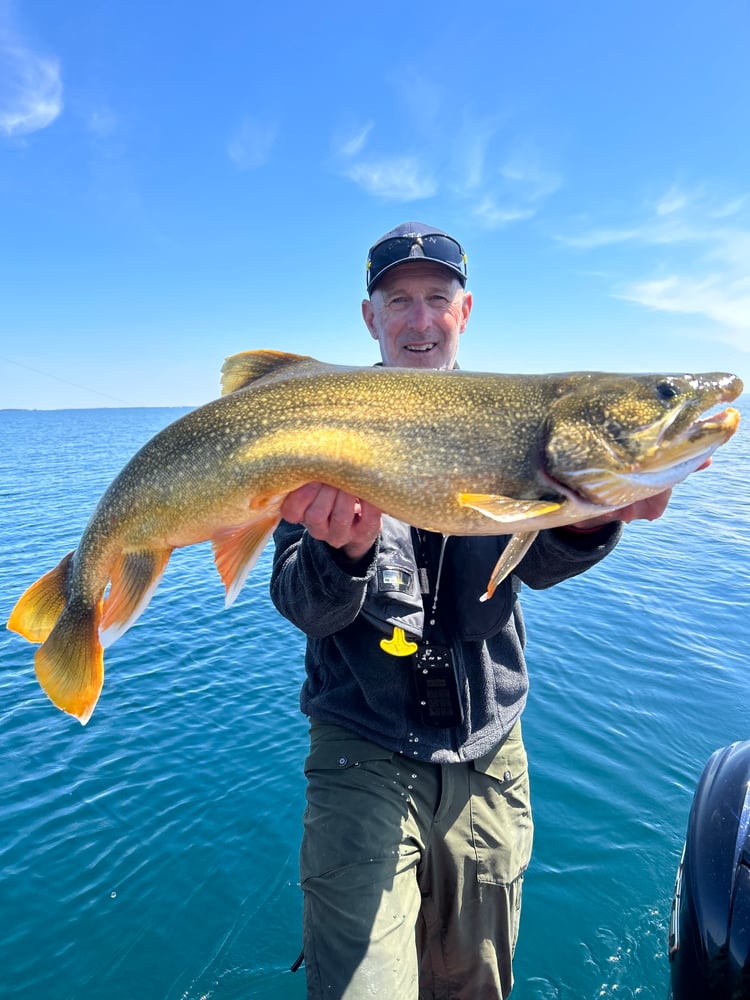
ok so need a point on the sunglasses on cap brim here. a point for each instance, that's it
(431, 246)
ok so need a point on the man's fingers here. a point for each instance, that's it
(295, 505)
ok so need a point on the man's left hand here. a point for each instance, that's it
(642, 510)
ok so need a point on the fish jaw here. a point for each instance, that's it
(660, 469)
(622, 456)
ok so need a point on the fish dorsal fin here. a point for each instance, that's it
(241, 369)
(135, 577)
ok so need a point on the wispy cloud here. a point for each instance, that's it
(251, 144)
(353, 141)
(674, 200)
(101, 122)
(718, 297)
(515, 189)
(494, 215)
(491, 179)
(390, 177)
(396, 178)
(31, 90)
(693, 259)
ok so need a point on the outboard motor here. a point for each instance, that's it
(709, 933)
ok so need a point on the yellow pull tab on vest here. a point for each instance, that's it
(398, 644)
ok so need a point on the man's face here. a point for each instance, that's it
(417, 313)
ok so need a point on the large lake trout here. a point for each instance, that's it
(461, 453)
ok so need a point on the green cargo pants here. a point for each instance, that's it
(412, 872)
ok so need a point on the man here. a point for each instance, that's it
(418, 824)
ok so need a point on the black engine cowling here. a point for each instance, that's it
(709, 938)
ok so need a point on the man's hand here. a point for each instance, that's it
(642, 510)
(343, 521)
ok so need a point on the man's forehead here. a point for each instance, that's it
(417, 273)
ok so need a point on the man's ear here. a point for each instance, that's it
(368, 315)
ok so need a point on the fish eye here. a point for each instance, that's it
(666, 389)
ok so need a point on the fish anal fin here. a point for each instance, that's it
(134, 579)
(507, 509)
(39, 607)
(517, 547)
(241, 369)
(70, 664)
(236, 550)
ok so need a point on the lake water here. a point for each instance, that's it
(153, 853)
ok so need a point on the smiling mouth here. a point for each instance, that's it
(420, 348)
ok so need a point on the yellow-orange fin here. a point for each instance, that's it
(517, 547)
(507, 509)
(236, 550)
(135, 577)
(70, 664)
(39, 607)
(241, 369)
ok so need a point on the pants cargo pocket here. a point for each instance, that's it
(501, 822)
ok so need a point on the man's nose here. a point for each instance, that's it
(419, 315)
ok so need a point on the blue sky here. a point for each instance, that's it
(180, 181)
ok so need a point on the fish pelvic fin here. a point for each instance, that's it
(134, 579)
(70, 664)
(517, 547)
(236, 550)
(40, 606)
(507, 509)
(241, 369)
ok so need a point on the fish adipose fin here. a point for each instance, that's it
(517, 547)
(70, 664)
(236, 550)
(507, 509)
(37, 610)
(134, 579)
(241, 369)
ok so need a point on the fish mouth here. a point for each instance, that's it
(725, 390)
(655, 458)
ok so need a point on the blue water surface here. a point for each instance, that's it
(153, 853)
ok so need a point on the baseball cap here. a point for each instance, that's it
(415, 241)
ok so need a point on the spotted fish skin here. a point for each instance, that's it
(463, 453)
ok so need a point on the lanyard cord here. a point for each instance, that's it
(443, 543)
(438, 576)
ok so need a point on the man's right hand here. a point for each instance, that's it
(343, 521)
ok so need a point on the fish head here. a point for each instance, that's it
(613, 439)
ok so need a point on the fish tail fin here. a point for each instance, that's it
(39, 607)
(236, 550)
(135, 577)
(70, 663)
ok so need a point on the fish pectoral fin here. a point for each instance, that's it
(70, 664)
(236, 550)
(134, 579)
(517, 547)
(507, 509)
(39, 607)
